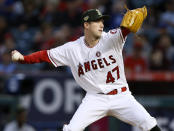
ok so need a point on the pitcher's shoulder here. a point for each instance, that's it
(110, 32)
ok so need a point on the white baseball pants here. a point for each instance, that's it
(122, 106)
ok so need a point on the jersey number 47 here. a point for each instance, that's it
(110, 77)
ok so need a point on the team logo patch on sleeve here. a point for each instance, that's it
(113, 31)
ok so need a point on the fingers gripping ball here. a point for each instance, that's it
(133, 19)
(16, 56)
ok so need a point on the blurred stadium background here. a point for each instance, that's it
(50, 94)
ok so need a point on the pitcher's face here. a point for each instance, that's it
(95, 28)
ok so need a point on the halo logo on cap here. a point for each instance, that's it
(98, 12)
(93, 15)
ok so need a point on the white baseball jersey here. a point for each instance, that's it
(99, 69)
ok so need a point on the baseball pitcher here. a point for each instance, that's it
(96, 63)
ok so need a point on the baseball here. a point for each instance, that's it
(16, 56)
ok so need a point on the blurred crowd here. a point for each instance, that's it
(33, 25)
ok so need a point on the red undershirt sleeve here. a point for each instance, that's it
(125, 32)
(37, 57)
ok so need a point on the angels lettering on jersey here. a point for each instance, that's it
(95, 64)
